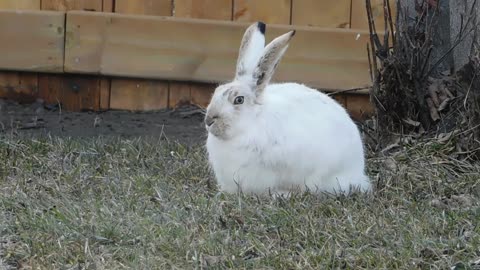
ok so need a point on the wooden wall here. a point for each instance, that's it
(92, 92)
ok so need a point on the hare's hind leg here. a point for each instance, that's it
(248, 179)
(351, 182)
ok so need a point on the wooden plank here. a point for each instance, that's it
(206, 50)
(105, 87)
(359, 14)
(322, 13)
(18, 86)
(35, 40)
(268, 11)
(106, 83)
(139, 95)
(180, 94)
(198, 93)
(50, 88)
(205, 9)
(20, 4)
(342, 99)
(134, 94)
(73, 92)
(359, 106)
(66, 5)
(147, 7)
(81, 93)
(108, 6)
(202, 93)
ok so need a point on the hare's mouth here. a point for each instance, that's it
(218, 130)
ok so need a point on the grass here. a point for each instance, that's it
(144, 204)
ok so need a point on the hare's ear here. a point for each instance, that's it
(251, 49)
(268, 62)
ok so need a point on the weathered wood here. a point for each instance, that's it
(147, 7)
(180, 94)
(342, 99)
(108, 5)
(105, 87)
(73, 92)
(139, 95)
(206, 9)
(359, 106)
(136, 94)
(359, 14)
(322, 13)
(206, 51)
(268, 11)
(20, 86)
(198, 93)
(20, 4)
(50, 88)
(31, 40)
(66, 5)
(202, 93)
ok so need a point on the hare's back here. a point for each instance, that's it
(297, 99)
(309, 122)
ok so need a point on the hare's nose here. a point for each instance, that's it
(209, 120)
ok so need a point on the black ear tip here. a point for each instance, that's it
(293, 33)
(261, 27)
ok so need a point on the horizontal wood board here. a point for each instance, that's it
(206, 50)
(32, 40)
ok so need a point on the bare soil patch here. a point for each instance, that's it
(184, 125)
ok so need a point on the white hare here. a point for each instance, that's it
(279, 137)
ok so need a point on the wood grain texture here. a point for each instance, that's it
(19, 86)
(205, 9)
(359, 14)
(322, 13)
(66, 5)
(139, 95)
(32, 40)
(268, 11)
(73, 92)
(198, 93)
(145, 7)
(180, 94)
(201, 94)
(135, 94)
(342, 99)
(20, 4)
(108, 5)
(359, 106)
(206, 51)
(105, 92)
(50, 88)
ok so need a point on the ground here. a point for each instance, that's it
(184, 124)
(130, 202)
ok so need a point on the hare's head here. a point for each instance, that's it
(234, 105)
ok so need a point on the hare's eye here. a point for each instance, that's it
(238, 100)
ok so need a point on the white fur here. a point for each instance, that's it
(289, 137)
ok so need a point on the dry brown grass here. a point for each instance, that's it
(139, 204)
